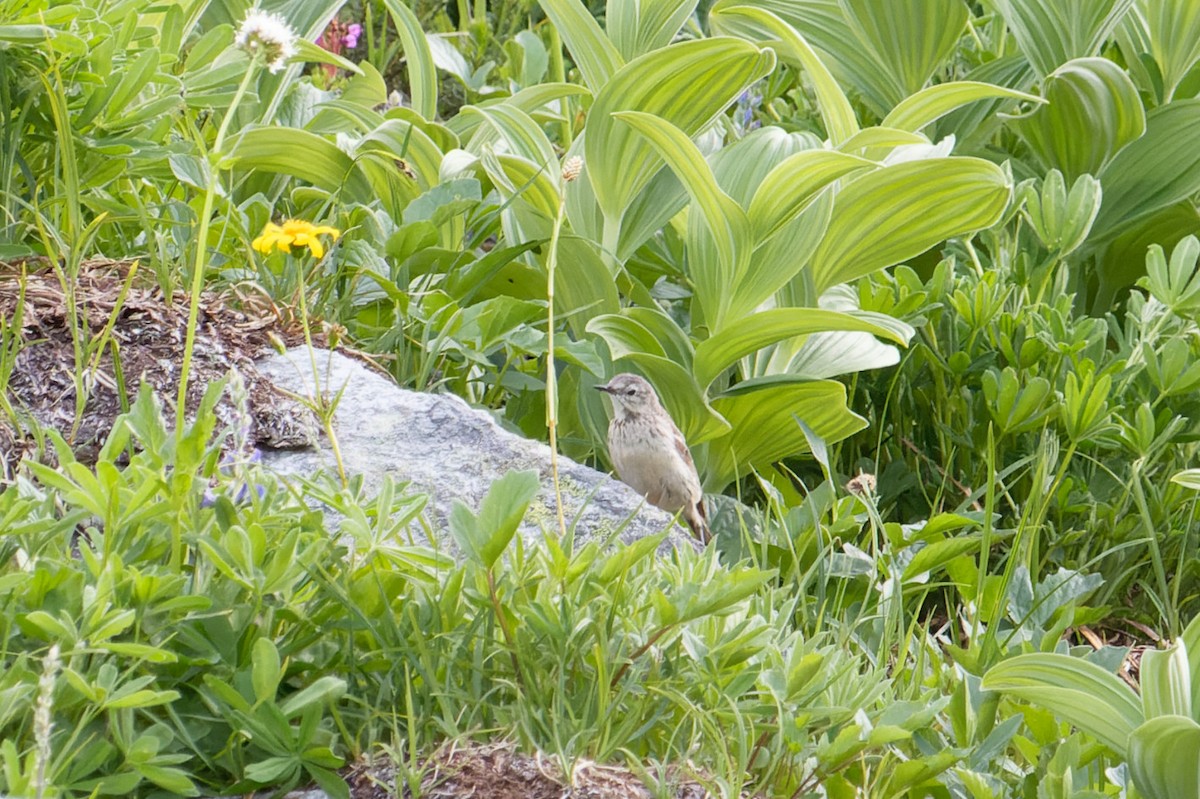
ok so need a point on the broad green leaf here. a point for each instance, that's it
(1079, 692)
(687, 85)
(525, 137)
(532, 100)
(1190, 638)
(324, 689)
(592, 51)
(501, 512)
(1051, 34)
(584, 288)
(899, 212)
(727, 222)
(717, 353)
(975, 124)
(909, 39)
(422, 74)
(1166, 682)
(1122, 259)
(402, 140)
(878, 138)
(302, 155)
(763, 417)
(638, 26)
(1158, 170)
(939, 553)
(793, 184)
(759, 22)
(531, 198)
(1173, 28)
(265, 670)
(625, 336)
(1094, 111)
(930, 104)
(1164, 758)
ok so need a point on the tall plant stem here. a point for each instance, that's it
(551, 369)
(210, 194)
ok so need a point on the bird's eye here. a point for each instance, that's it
(630, 391)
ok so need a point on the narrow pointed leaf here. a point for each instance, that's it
(930, 104)
(422, 74)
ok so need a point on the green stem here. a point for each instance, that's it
(210, 194)
(551, 371)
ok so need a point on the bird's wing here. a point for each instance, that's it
(682, 448)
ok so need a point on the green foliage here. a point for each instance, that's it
(1159, 736)
(779, 201)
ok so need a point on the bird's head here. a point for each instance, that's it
(631, 394)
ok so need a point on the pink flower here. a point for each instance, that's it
(350, 39)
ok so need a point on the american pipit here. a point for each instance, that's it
(651, 455)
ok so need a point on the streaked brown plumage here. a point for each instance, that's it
(651, 455)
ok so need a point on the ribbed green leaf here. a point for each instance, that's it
(652, 207)
(928, 105)
(974, 125)
(1094, 110)
(584, 288)
(1082, 693)
(763, 417)
(402, 140)
(687, 85)
(302, 155)
(530, 100)
(521, 180)
(1166, 682)
(824, 26)
(792, 185)
(727, 222)
(909, 39)
(892, 214)
(422, 74)
(638, 26)
(759, 22)
(1164, 758)
(1174, 31)
(525, 137)
(1158, 170)
(878, 137)
(740, 170)
(1051, 34)
(717, 353)
(1190, 638)
(592, 51)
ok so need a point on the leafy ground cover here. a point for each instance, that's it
(916, 278)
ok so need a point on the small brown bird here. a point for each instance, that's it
(651, 455)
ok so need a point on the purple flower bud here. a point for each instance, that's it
(350, 40)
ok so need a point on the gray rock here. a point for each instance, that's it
(448, 450)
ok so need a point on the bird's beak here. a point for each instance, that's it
(604, 388)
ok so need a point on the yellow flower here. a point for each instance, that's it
(294, 233)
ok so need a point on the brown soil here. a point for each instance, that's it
(498, 771)
(147, 331)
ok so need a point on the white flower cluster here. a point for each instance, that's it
(269, 35)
